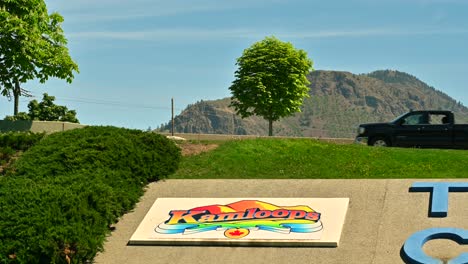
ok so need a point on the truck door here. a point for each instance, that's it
(408, 130)
(438, 131)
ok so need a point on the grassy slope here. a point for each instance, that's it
(305, 158)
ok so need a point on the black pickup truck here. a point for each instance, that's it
(432, 129)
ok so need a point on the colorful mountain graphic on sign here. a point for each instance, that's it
(242, 206)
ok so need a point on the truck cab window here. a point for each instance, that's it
(415, 119)
(445, 120)
(438, 119)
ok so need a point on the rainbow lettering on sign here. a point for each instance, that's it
(238, 219)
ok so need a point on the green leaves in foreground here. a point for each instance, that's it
(312, 159)
(65, 191)
(32, 46)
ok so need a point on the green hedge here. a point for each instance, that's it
(20, 140)
(12, 142)
(64, 193)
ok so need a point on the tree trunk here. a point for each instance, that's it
(270, 128)
(16, 96)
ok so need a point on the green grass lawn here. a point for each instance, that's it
(312, 159)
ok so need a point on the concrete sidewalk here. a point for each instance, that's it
(382, 214)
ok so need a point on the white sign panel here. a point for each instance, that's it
(243, 221)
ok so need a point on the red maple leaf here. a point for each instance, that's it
(236, 233)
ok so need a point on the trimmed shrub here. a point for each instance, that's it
(65, 192)
(5, 154)
(20, 140)
(13, 142)
(44, 222)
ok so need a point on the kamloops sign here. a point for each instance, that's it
(243, 221)
(240, 217)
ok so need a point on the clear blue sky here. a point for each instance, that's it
(134, 55)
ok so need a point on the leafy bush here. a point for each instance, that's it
(20, 140)
(46, 110)
(12, 142)
(5, 154)
(19, 116)
(66, 191)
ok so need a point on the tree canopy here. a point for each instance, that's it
(271, 80)
(32, 46)
(46, 110)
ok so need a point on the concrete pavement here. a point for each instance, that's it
(382, 214)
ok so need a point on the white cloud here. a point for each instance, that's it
(177, 34)
(109, 10)
(163, 34)
(421, 2)
(374, 32)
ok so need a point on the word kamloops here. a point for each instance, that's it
(192, 217)
(239, 218)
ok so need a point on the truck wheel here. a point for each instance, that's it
(379, 142)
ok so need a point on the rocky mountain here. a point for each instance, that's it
(338, 103)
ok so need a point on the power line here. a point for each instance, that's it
(110, 103)
(340, 129)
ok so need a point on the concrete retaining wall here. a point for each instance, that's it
(37, 126)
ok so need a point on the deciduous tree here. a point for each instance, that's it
(32, 46)
(46, 110)
(271, 80)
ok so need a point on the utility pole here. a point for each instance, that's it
(172, 122)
